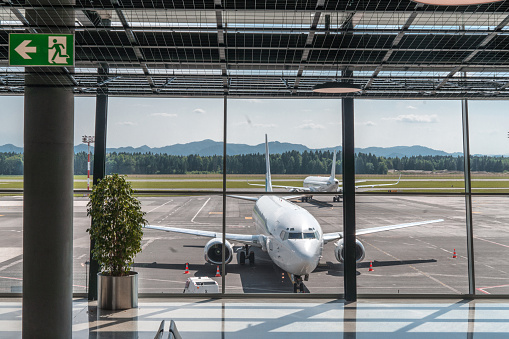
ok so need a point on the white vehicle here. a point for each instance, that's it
(201, 285)
(324, 184)
(290, 235)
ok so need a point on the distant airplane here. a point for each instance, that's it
(324, 184)
(290, 235)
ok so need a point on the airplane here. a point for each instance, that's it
(290, 235)
(324, 184)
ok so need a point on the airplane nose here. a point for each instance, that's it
(308, 253)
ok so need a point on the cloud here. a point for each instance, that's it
(311, 125)
(414, 118)
(411, 107)
(368, 123)
(166, 115)
(127, 123)
(199, 110)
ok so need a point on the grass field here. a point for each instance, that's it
(488, 183)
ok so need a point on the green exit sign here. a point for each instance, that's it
(41, 49)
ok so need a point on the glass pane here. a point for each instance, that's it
(170, 144)
(419, 140)
(11, 240)
(168, 259)
(302, 137)
(491, 244)
(11, 205)
(427, 255)
(488, 122)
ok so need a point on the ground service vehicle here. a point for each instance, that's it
(201, 285)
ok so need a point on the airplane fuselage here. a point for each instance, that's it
(294, 238)
(321, 184)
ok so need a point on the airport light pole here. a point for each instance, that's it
(88, 139)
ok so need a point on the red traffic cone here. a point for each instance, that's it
(370, 267)
(218, 274)
(187, 268)
(454, 254)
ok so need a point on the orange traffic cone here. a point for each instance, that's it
(371, 266)
(218, 274)
(187, 268)
(454, 254)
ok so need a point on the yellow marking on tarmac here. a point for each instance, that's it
(248, 218)
(476, 212)
(1, 215)
(215, 212)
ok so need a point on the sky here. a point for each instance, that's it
(316, 123)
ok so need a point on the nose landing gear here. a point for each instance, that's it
(298, 285)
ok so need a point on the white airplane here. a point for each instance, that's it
(313, 184)
(290, 235)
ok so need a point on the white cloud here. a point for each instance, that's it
(166, 115)
(414, 118)
(368, 123)
(199, 110)
(411, 107)
(127, 123)
(311, 125)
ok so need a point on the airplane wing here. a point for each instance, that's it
(294, 188)
(327, 237)
(253, 240)
(378, 185)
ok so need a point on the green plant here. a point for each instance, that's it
(117, 224)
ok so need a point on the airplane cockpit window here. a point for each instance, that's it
(298, 235)
(294, 235)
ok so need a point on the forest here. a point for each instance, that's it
(293, 162)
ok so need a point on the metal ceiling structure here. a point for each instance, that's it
(275, 49)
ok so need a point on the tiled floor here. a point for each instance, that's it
(284, 319)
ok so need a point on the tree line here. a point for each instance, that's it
(292, 162)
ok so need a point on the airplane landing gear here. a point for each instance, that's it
(246, 254)
(298, 285)
(337, 198)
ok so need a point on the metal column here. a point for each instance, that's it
(101, 119)
(468, 199)
(348, 164)
(223, 258)
(48, 191)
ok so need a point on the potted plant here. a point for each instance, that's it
(117, 229)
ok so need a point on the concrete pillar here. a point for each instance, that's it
(48, 194)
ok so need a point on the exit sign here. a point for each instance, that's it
(30, 49)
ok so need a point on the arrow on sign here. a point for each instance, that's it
(23, 49)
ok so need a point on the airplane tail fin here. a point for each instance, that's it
(333, 170)
(268, 181)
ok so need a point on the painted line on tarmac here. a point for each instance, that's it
(482, 289)
(192, 220)
(496, 243)
(152, 210)
(11, 264)
(417, 270)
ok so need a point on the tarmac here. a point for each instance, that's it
(414, 260)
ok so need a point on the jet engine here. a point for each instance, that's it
(339, 251)
(213, 251)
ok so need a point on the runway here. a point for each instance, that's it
(412, 260)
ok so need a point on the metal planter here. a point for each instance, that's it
(117, 293)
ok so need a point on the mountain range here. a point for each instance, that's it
(209, 147)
